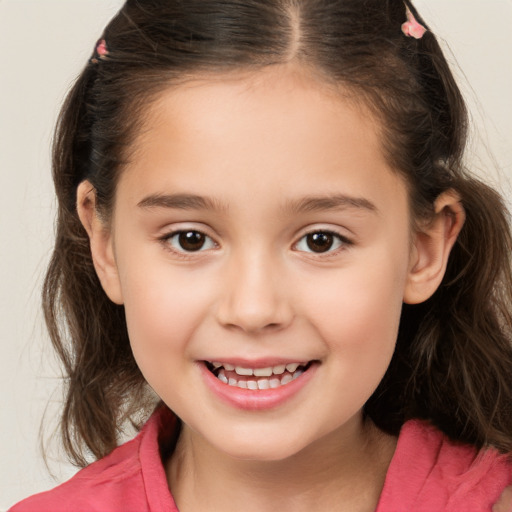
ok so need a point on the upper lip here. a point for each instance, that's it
(258, 363)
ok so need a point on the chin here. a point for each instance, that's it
(265, 447)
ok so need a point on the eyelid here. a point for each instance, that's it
(181, 226)
(170, 233)
(344, 241)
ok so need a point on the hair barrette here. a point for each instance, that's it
(100, 51)
(411, 28)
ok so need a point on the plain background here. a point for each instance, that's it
(44, 44)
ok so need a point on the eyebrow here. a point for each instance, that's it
(181, 202)
(303, 205)
(330, 202)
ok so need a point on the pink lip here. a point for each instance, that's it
(255, 400)
(258, 363)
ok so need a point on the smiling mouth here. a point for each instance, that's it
(270, 377)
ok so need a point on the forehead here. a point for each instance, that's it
(278, 132)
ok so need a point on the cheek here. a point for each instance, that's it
(358, 308)
(163, 309)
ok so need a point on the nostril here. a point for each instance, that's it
(253, 297)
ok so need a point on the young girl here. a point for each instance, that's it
(264, 218)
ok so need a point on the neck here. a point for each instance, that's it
(342, 471)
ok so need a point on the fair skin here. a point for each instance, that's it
(504, 504)
(299, 251)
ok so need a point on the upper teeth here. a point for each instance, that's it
(258, 372)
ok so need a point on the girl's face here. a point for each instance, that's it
(258, 233)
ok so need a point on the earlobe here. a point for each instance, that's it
(433, 243)
(101, 242)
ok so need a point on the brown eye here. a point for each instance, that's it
(320, 242)
(189, 241)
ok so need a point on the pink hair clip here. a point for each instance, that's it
(100, 52)
(411, 28)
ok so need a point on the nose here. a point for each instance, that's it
(254, 296)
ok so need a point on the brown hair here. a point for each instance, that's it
(453, 361)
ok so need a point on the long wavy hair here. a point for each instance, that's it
(453, 359)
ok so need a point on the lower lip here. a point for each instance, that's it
(255, 400)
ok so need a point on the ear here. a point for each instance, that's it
(432, 245)
(101, 241)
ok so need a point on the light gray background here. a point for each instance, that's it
(43, 45)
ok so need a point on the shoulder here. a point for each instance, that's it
(431, 472)
(121, 481)
(94, 487)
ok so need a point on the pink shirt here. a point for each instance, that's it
(428, 473)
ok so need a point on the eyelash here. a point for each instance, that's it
(340, 242)
(181, 251)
